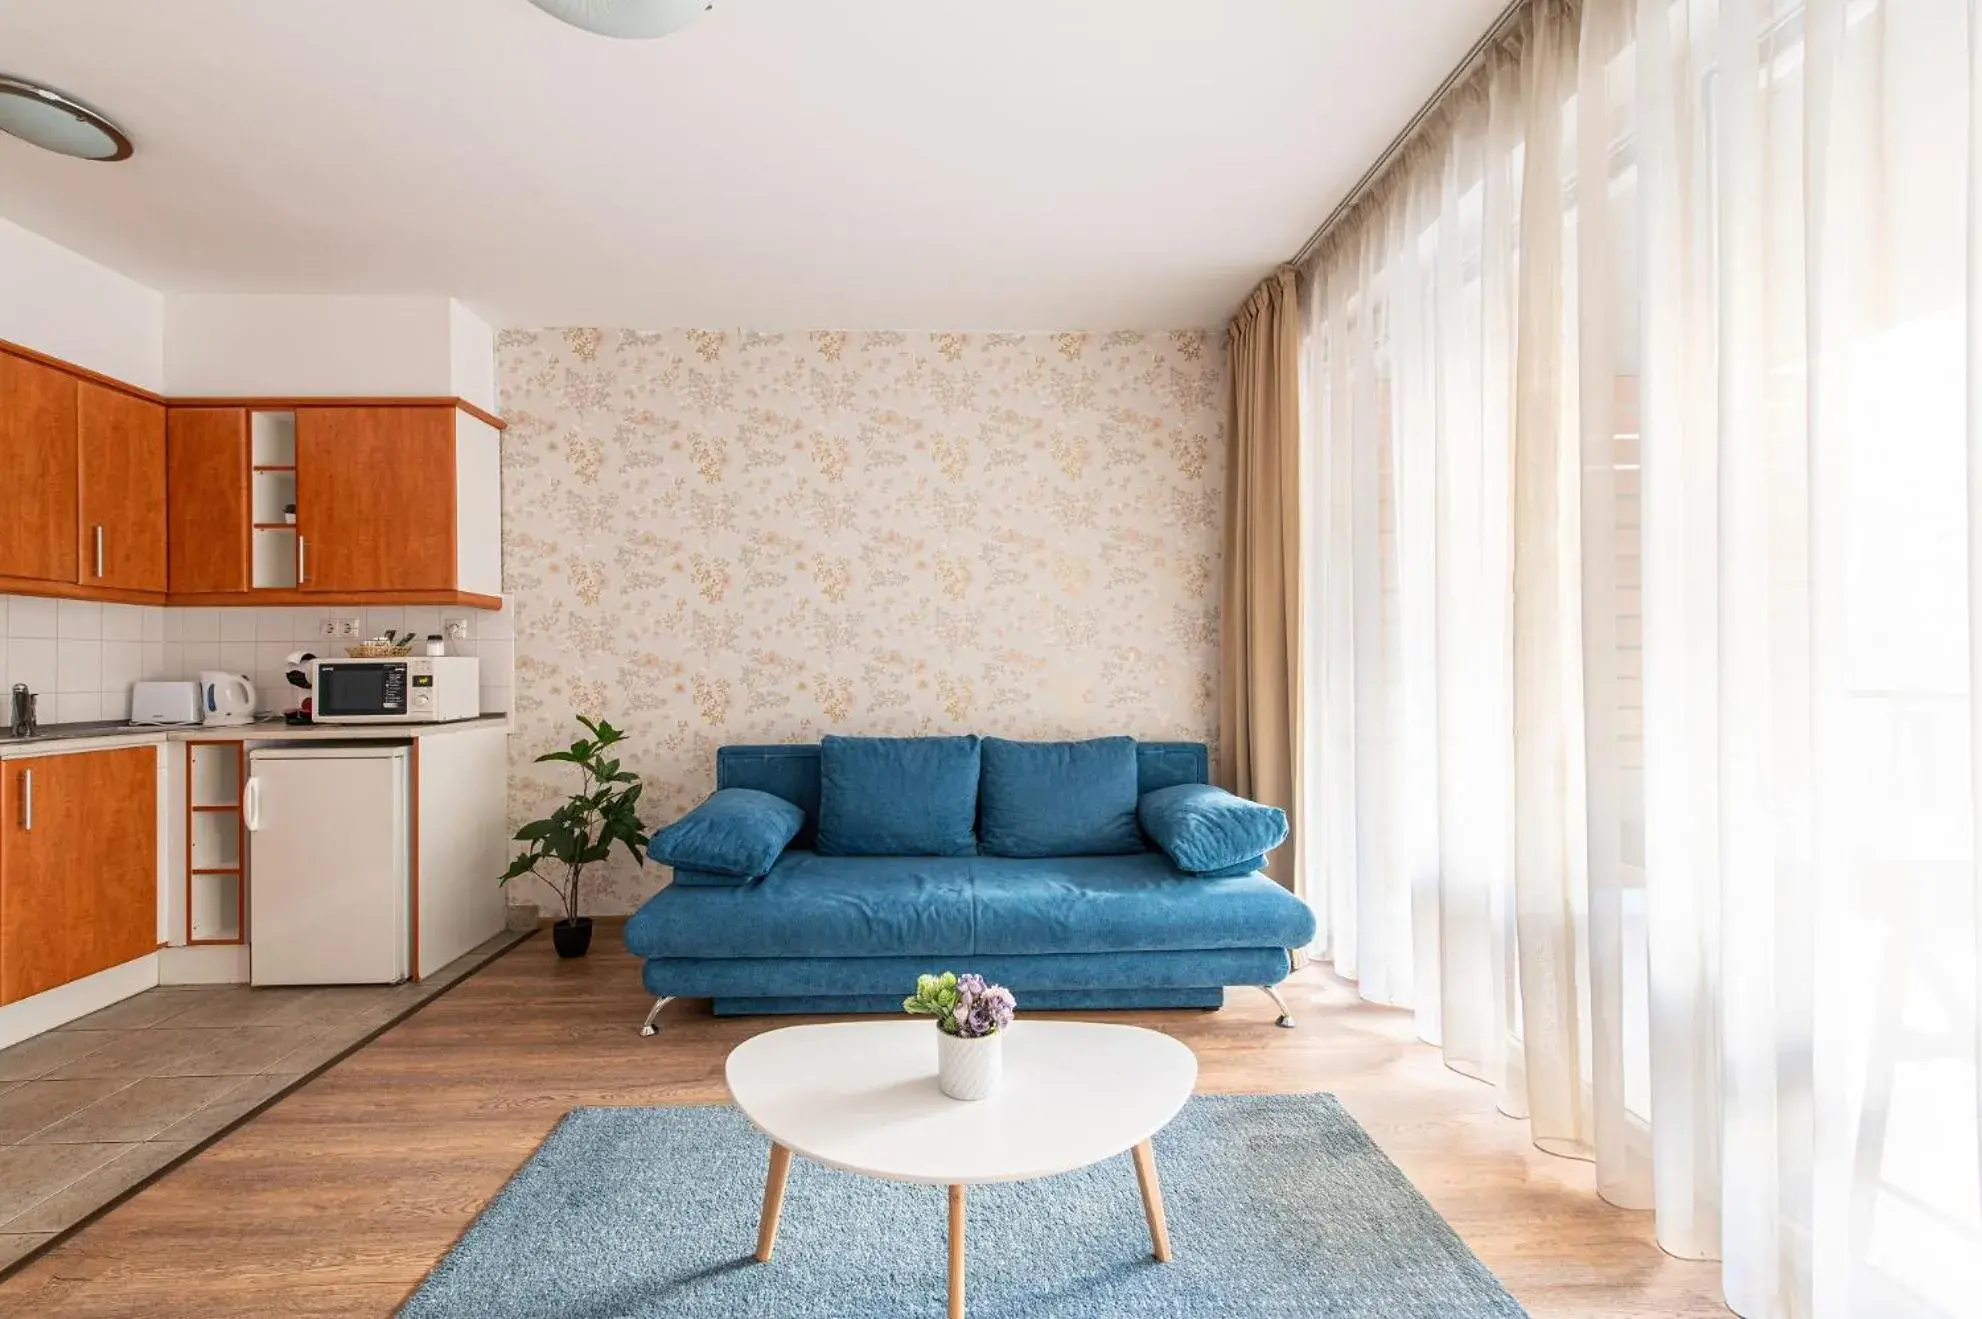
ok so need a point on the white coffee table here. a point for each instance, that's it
(862, 1097)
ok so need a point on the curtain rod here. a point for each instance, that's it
(1461, 71)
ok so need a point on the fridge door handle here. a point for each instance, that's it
(251, 805)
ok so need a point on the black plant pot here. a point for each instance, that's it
(572, 937)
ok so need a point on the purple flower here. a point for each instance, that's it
(982, 1009)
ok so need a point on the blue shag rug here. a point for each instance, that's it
(1278, 1205)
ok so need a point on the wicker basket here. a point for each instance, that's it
(377, 650)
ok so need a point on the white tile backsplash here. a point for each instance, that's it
(83, 657)
(31, 616)
(123, 664)
(79, 620)
(32, 660)
(79, 666)
(125, 622)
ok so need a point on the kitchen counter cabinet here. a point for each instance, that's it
(78, 866)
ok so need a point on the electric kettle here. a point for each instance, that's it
(226, 698)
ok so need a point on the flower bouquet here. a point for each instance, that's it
(970, 1020)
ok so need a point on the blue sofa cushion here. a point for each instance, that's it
(788, 770)
(819, 976)
(736, 832)
(1058, 798)
(817, 906)
(1120, 904)
(710, 879)
(898, 796)
(1245, 867)
(1206, 829)
(791, 770)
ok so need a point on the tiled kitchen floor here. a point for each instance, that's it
(92, 1109)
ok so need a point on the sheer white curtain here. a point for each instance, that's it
(1645, 483)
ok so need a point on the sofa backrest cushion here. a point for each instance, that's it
(791, 771)
(898, 796)
(1039, 799)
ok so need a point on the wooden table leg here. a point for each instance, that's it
(956, 1252)
(774, 1202)
(1152, 1200)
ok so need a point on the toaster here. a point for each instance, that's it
(165, 703)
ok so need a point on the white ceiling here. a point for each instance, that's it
(782, 164)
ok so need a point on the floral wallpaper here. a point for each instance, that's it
(714, 537)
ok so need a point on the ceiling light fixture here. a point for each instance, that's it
(60, 123)
(627, 18)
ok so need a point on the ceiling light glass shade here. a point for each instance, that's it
(49, 119)
(627, 18)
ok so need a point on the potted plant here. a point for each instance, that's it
(970, 1020)
(583, 830)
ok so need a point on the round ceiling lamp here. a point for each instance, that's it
(60, 123)
(627, 18)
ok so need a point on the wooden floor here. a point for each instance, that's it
(340, 1198)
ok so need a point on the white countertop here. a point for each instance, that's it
(103, 735)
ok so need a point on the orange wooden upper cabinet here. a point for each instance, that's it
(78, 886)
(206, 466)
(375, 499)
(37, 471)
(120, 441)
(319, 502)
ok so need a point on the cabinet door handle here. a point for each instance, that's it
(302, 568)
(251, 805)
(27, 799)
(99, 552)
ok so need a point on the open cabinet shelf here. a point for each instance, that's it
(216, 843)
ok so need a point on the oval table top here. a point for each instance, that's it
(862, 1097)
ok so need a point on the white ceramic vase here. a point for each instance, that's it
(969, 1069)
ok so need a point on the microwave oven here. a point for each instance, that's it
(402, 689)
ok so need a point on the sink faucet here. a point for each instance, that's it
(25, 723)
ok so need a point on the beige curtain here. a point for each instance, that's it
(1258, 695)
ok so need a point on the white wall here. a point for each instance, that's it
(303, 345)
(57, 302)
(472, 349)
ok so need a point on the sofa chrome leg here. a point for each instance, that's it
(1286, 1018)
(648, 1027)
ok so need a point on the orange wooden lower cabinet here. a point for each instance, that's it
(78, 866)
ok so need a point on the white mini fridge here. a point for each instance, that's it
(329, 864)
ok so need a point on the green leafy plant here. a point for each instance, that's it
(604, 811)
(935, 996)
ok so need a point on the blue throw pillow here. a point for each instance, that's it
(898, 796)
(1207, 829)
(737, 832)
(1059, 798)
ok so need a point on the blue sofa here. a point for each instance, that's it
(839, 934)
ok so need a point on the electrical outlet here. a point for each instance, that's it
(347, 628)
(456, 628)
(327, 628)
